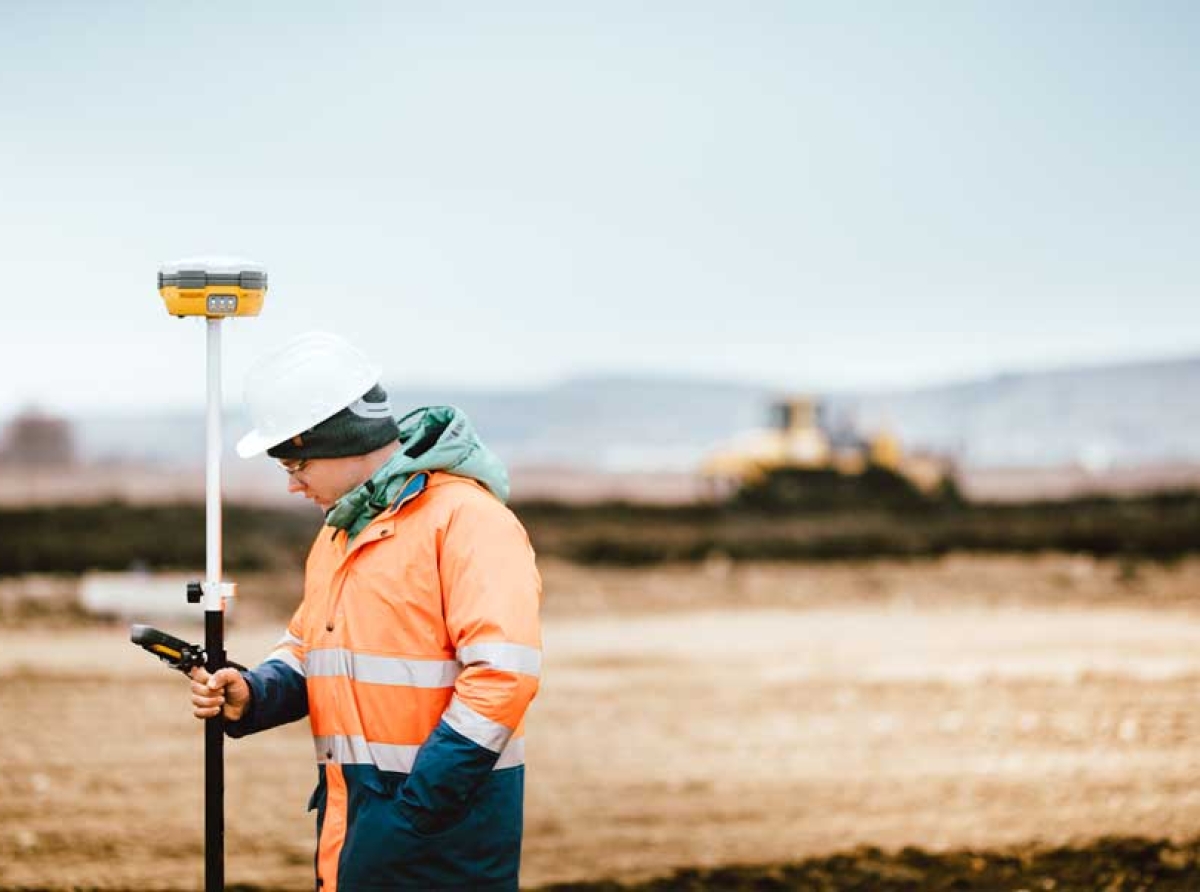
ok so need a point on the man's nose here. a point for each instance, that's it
(294, 485)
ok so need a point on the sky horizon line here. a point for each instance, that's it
(233, 406)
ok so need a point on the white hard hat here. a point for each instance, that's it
(310, 378)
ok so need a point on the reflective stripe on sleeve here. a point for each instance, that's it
(477, 728)
(373, 669)
(356, 750)
(288, 659)
(512, 755)
(289, 639)
(502, 655)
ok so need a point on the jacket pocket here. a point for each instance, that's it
(384, 850)
(428, 825)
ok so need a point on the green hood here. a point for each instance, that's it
(433, 438)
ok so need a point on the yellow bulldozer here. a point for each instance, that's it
(801, 438)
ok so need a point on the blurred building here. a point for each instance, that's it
(35, 439)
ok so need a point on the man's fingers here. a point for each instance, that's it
(205, 698)
(222, 678)
(209, 691)
(205, 703)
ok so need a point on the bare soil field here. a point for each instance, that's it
(694, 718)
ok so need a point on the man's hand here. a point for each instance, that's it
(226, 691)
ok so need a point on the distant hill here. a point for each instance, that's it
(1100, 416)
(1103, 416)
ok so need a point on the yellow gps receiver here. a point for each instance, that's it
(213, 287)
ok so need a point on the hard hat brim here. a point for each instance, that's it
(254, 443)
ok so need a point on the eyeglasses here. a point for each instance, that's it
(293, 466)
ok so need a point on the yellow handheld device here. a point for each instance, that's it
(175, 652)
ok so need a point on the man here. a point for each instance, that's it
(416, 649)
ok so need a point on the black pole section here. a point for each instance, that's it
(214, 763)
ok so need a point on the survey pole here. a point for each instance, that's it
(216, 289)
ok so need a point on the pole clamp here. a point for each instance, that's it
(212, 595)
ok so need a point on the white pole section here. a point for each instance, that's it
(212, 477)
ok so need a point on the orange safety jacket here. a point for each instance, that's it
(415, 654)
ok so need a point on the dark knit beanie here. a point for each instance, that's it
(361, 427)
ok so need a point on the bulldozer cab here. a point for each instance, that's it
(794, 414)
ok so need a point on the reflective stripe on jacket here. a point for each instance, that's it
(415, 653)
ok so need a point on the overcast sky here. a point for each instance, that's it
(810, 195)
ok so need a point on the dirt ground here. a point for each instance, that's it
(689, 718)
